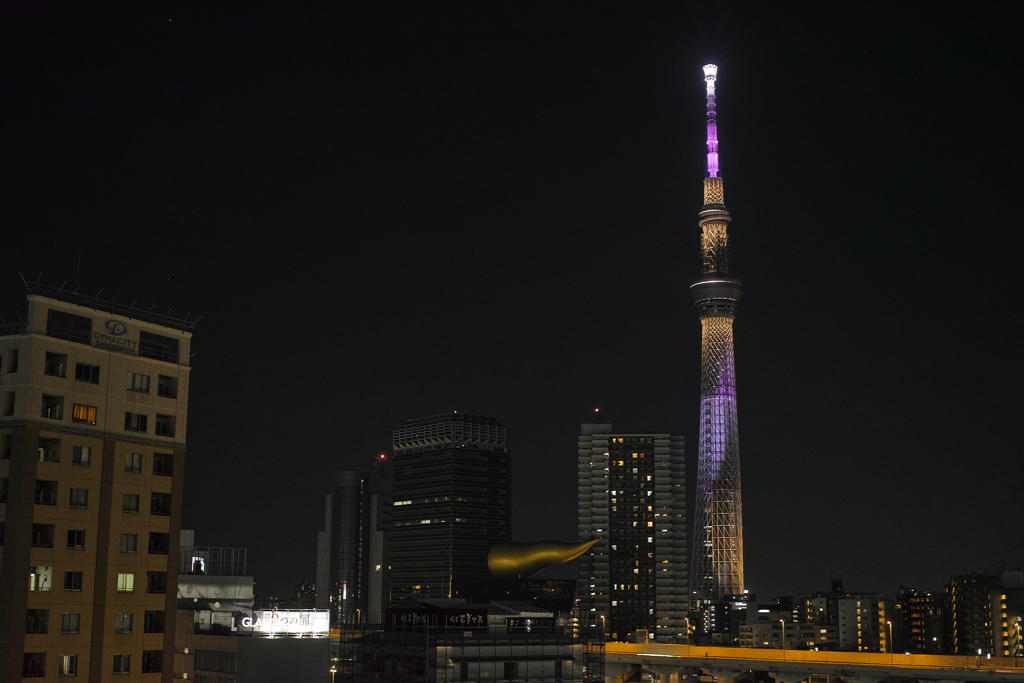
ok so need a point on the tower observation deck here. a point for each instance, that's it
(717, 567)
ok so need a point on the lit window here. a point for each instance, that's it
(126, 583)
(68, 665)
(39, 578)
(83, 413)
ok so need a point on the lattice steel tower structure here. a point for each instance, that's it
(717, 567)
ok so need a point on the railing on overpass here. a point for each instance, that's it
(696, 654)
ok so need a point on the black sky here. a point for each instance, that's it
(391, 211)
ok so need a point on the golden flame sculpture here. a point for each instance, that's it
(511, 560)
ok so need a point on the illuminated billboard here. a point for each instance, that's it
(286, 622)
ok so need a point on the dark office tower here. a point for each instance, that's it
(358, 537)
(92, 452)
(717, 568)
(453, 503)
(632, 495)
(323, 561)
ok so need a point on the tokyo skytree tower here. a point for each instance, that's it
(717, 568)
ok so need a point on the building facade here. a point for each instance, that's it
(358, 546)
(92, 450)
(970, 609)
(865, 623)
(451, 640)
(924, 622)
(632, 495)
(323, 560)
(717, 568)
(1006, 615)
(453, 503)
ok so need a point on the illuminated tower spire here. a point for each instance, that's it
(710, 74)
(717, 568)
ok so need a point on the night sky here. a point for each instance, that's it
(388, 212)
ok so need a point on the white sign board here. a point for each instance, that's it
(288, 622)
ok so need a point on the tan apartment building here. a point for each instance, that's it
(93, 399)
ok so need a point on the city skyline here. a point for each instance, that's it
(383, 214)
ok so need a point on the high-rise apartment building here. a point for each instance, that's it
(92, 450)
(354, 550)
(1006, 615)
(453, 503)
(717, 568)
(865, 623)
(924, 621)
(970, 606)
(632, 495)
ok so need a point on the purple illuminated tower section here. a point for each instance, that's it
(717, 568)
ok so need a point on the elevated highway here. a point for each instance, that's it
(662, 663)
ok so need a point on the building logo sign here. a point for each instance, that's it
(116, 328)
(117, 340)
(288, 622)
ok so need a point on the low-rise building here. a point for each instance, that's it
(457, 641)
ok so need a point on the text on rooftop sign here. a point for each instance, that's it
(117, 340)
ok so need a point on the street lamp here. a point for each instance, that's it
(783, 622)
(889, 644)
(333, 670)
(688, 631)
